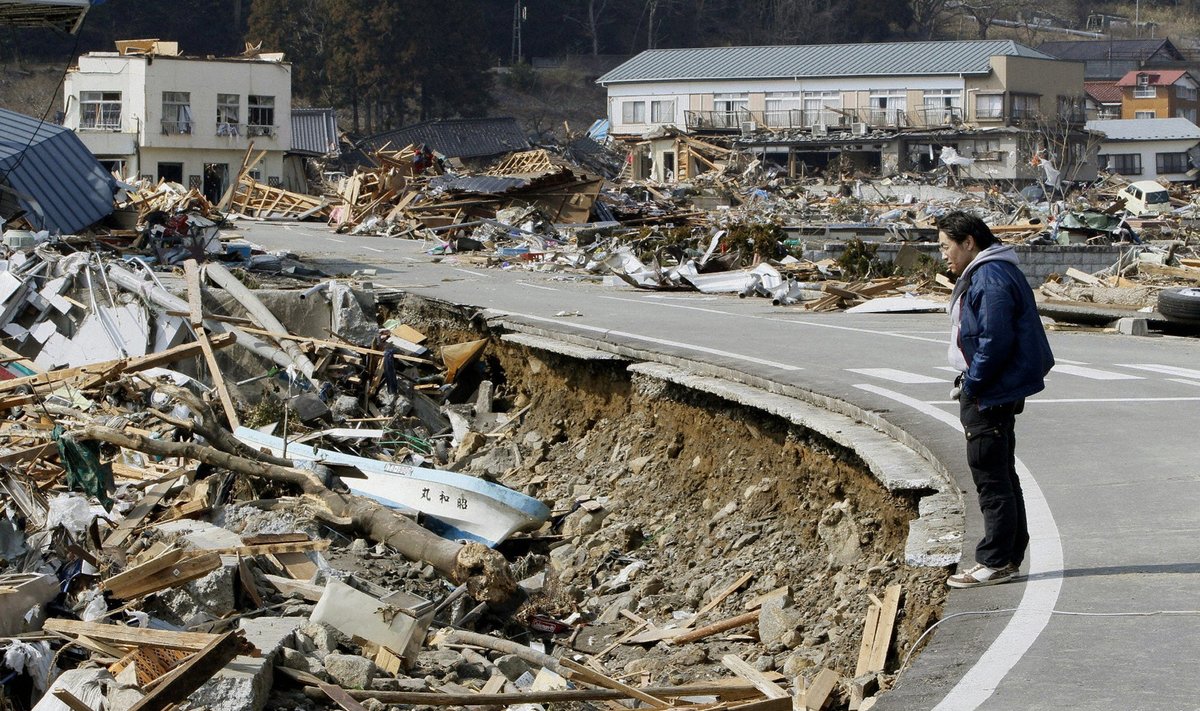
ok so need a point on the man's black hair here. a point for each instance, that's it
(959, 225)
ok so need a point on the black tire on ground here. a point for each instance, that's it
(1180, 304)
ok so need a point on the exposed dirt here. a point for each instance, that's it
(686, 493)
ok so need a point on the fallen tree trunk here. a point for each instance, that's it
(485, 571)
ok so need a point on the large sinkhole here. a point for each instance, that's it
(664, 496)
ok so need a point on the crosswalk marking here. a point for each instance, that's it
(1092, 373)
(1167, 369)
(897, 376)
(948, 369)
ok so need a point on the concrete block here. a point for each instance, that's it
(270, 634)
(398, 621)
(1133, 326)
(242, 685)
(350, 671)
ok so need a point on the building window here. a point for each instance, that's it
(1189, 114)
(177, 112)
(729, 110)
(783, 109)
(1145, 114)
(1185, 93)
(888, 107)
(633, 112)
(228, 114)
(943, 106)
(261, 115)
(988, 150)
(100, 110)
(662, 111)
(1025, 106)
(1171, 163)
(1122, 163)
(171, 172)
(1072, 108)
(1145, 92)
(819, 107)
(989, 106)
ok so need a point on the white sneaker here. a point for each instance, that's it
(982, 575)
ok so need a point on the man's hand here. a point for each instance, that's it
(956, 390)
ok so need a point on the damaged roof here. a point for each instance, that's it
(1090, 50)
(314, 131)
(812, 61)
(46, 171)
(1155, 129)
(65, 15)
(456, 138)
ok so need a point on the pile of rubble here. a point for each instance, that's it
(220, 512)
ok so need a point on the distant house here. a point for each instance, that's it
(1104, 99)
(145, 110)
(472, 140)
(1159, 93)
(881, 108)
(1113, 59)
(1143, 149)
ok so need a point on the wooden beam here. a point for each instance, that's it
(722, 689)
(190, 675)
(332, 344)
(883, 633)
(769, 688)
(868, 639)
(594, 677)
(717, 627)
(339, 696)
(169, 570)
(120, 635)
(116, 538)
(818, 693)
(272, 548)
(110, 368)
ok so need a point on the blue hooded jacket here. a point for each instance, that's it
(1000, 334)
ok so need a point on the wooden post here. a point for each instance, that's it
(196, 317)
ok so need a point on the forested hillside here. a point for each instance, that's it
(391, 62)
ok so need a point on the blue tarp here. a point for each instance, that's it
(46, 171)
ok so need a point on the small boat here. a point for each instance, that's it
(453, 505)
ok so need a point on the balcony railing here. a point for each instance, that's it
(224, 128)
(776, 119)
(171, 128)
(257, 130)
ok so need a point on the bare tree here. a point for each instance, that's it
(926, 16)
(591, 21)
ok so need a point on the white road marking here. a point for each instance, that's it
(1167, 369)
(898, 376)
(1069, 362)
(339, 241)
(1042, 586)
(478, 274)
(659, 341)
(794, 322)
(948, 369)
(372, 249)
(1092, 373)
(1085, 400)
(1185, 381)
(536, 286)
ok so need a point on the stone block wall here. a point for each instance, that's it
(1037, 262)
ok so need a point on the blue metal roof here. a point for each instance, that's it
(46, 171)
(314, 131)
(816, 61)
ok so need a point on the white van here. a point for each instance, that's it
(1145, 197)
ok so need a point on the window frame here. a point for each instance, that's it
(176, 112)
(991, 115)
(1180, 157)
(633, 112)
(105, 106)
(1145, 114)
(226, 127)
(254, 115)
(1134, 159)
(658, 115)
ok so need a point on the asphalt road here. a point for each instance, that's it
(1108, 615)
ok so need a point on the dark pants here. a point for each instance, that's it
(991, 454)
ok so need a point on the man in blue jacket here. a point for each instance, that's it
(999, 346)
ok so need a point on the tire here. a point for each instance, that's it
(1180, 304)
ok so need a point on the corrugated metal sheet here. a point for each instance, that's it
(1164, 129)
(314, 131)
(65, 15)
(456, 138)
(813, 61)
(58, 182)
(479, 184)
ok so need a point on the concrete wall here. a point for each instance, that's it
(1036, 262)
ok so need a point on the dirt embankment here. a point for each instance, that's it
(682, 494)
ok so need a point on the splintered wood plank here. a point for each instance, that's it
(117, 537)
(818, 694)
(769, 688)
(196, 316)
(130, 636)
(297, 565)
(594, 677)
(883, 632)
(868, 640)
(339, 696)
(169, 570)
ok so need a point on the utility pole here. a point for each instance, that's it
(518, 20)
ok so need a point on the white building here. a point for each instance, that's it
(1149, 149)
(147, 111)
